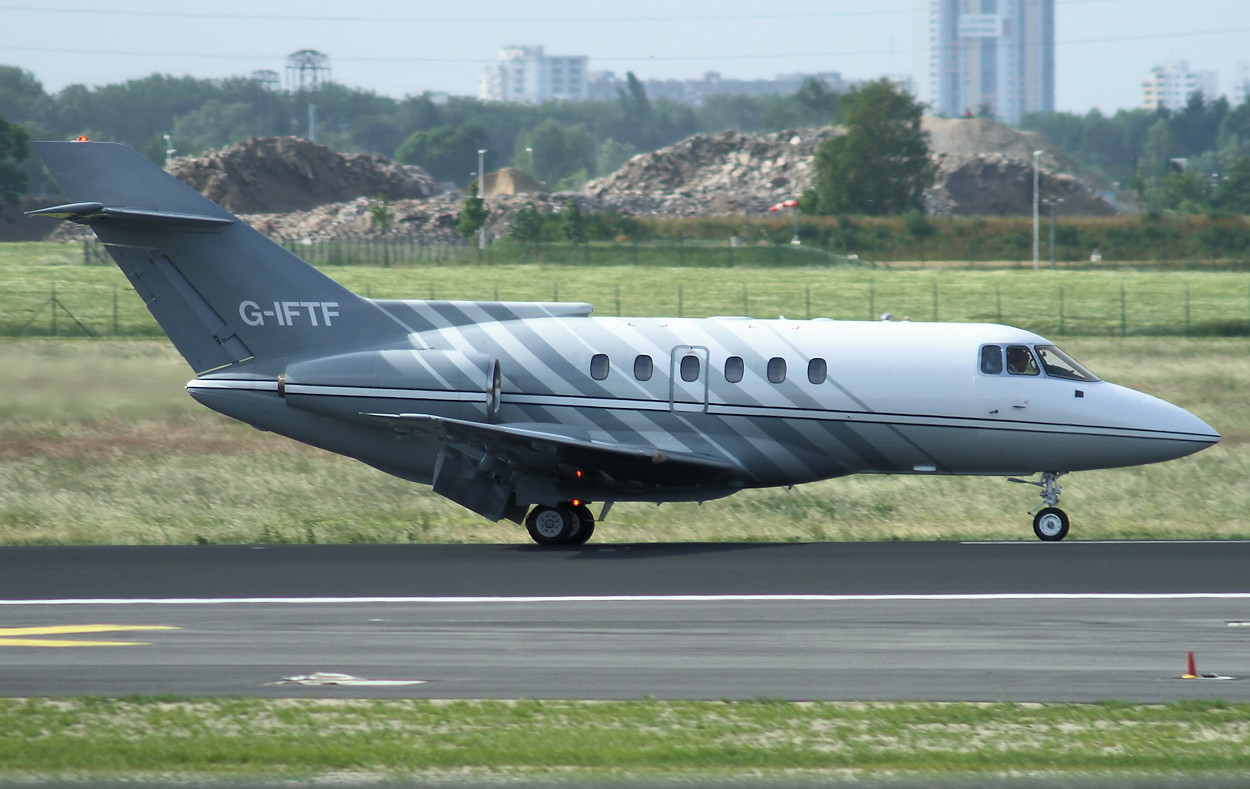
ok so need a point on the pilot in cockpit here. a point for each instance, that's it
(1020, 361)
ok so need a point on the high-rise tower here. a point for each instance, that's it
(995, 56)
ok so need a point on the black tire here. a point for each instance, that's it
(1050, 524)
(552, 525)
(587, 527)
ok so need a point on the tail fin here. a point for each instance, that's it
(222, 291)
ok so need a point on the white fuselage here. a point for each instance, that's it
(854, 397)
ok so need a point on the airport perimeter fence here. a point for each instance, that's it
(1062, 303)
(388, 252)
(401, 252)
(889, 253)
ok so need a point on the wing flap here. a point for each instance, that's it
(539, 450)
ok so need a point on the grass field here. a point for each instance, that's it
(349, 741)
(98, 300)
(99, 444)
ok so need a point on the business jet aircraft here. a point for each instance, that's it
(509, 408)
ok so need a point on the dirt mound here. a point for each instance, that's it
(985, 168)
(290, 174)
(512, 181)
(994, 184)
(968, 136)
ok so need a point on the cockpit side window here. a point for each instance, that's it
(1020, 361)
(991, 359)
(1058, 364)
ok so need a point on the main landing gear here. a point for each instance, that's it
(567, 523)
(1049, 523)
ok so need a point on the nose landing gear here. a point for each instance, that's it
(567, 523)
(1049, 523)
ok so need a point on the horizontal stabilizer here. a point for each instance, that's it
(88, 213)
(540, 451)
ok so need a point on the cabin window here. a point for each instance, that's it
(734, 369)
(599, 366)
(643, 368)
(776, 369)
(991, 359)
(1020, 361)
(690, 368)
(1058, 364)
(817, 371)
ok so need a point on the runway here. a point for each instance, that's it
(1072, 621)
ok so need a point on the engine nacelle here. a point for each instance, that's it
(446, 383)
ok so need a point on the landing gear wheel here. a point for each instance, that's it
(553, 525)
(1050, 524)
(587, 525)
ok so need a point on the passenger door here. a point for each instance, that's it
(688, 379)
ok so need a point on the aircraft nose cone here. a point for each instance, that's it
(1176, 431)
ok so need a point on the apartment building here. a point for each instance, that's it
(527, 75)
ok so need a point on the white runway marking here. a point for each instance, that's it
(1105, 542)
(325, 678)
(711, 598)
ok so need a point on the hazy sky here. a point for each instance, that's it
(397, 48)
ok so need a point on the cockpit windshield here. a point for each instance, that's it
(1023, 360)
(1058, 364)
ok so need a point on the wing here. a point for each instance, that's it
(543, 452)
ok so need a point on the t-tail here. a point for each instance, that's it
(223, 292)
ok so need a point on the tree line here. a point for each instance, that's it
(561, 143)
(1155, 240)
(1192, 160)
(1195, 160)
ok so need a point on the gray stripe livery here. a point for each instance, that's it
(501, 406)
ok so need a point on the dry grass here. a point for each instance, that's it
(679, 743)
(99, 443)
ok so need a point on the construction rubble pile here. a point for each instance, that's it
(730, 173)
(430, 221)
(296, 190)
(984, 168)
(273, 174)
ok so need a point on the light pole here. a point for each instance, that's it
(1036, 207)
(481, 193)
(530, 151)
(1052, 204)
(169, 150)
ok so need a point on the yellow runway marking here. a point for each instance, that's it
(12, 636)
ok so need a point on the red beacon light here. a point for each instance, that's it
(81, 138)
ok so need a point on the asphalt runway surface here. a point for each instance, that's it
(1026, 621)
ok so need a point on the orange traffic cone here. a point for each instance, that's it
(1191, 671)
